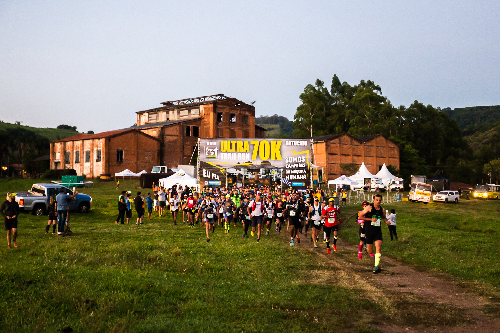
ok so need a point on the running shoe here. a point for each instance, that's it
(324, 241)
(251, 233)
(15, 244)
(234, 225)
(258, 239)
(335, 248)
(328, 251)
(376, 270)
(298, 240)
(287, 229)
(276, 229)
(208, 240)
(244, 235)
(372, 255)
(267, 233)
(291, 243)
(359, 255)
(315, 246)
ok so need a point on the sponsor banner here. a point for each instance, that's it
(291, 156)
(211, 175)
(256, 153)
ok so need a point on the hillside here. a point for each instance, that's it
(472, 119)
(276, 126)
(50, 133)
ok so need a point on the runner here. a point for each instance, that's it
(269, 213)
(279, 215)
(362, 239)
(244, 216)
(174, 206)
(10, 210)
(128, 212)
(121, 208)
(139, 204)
(294, 223)
(190, 208)
(161, 201)
(314, 216)
(331, 214)
(229, 207)
(374, 214)
(209, 219)
(256, 211)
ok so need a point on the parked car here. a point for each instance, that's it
(447, 196)
(36, 200)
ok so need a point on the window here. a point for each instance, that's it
(220, 133)
(77, 156)
(188, 130)
(66, 157)
(152, 117)
(87, 156)
(119, 155)
(245, 119)
(195, 112)
(98, 156)
(219, 117)
(183, 113)
(232, 118)
(196, 131)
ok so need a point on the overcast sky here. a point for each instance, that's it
(93, 64)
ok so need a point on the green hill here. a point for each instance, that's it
(276, 126)
(50, 133)
(474, 118)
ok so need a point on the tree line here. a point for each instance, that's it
(430, 141)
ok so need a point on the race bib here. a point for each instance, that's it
(270, 215)
(210, 216)
(221, 210)
(376, 223)
(362, 235)
(292, 213)
(248, 217)
(317, 222)
(331, 220)
(279, 214)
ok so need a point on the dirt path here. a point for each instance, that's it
(415, 300)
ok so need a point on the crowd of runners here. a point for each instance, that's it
(311, 215)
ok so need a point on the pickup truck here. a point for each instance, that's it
(36, 200)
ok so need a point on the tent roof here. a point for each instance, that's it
(362, 173)
(384, 173)
(178, 178)
(342, 180)
(126, 173)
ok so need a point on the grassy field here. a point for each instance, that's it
(161, 278)
(51, 133)
(459, 239)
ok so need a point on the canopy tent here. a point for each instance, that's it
(126, 173)
(143, 171)
(180, 178)
(362, 173)
(342, 180)
(385, 175)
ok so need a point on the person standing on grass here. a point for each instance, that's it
(161, 201)
(174, 206)
(62, 202)
(149, 204)
(279, 214)
(52, 215)
(374, 214)
(269, 213)
(294, 223)
(331, 214)
(122, 208)
(362, 238)
(244, 216)
(10, 210)
(314, 216)
(128, 206)
(139, 204)
(189, 207)
(228, 212)
(392, 225)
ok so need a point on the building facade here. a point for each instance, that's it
(178, 125)
(105, 153)
(331, 152)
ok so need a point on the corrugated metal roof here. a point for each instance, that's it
(165, 123)
(84, 136)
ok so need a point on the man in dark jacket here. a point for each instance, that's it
(10, 210)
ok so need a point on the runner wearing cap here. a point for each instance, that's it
(331, 214)
(190, 208)
(293, 212)
(228, 212)
(209, 219)
(362, 239)
(269, 213)
(314, 216)
(256, 211)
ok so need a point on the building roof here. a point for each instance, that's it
(165, 123)
(262, 128)
(367, 138)
(361, 139)
(192, 102)
(102, 135)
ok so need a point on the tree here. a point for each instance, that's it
(492, 169)
(67, 127)
(309, 120)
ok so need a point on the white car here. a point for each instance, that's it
(447, 196)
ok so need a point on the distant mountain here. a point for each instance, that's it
(475, 118)
(50, 133)
(276, 126)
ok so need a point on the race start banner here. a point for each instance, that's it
(291, 156)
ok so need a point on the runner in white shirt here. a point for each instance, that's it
(256, 210)
(314, 215)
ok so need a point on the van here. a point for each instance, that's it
(159, 169)
(420, 192)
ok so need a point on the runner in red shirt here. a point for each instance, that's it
(331, 214)
(189, 206)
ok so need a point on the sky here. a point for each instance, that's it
(93, 64)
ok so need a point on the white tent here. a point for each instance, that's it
(126, 173)
(342, 180)
(385, 175)
(143, 171)
(180, 178)
(362, 173)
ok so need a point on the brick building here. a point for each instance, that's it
(110, 152)
(178, 125)
(330, 151)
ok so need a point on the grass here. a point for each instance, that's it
(159, 278)
(459, 239)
